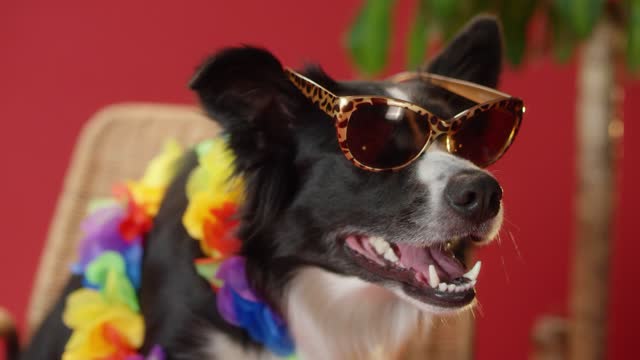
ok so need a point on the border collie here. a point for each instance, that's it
(356, 261)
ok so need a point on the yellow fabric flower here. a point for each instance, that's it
(197, 213)
(87, 312)
(209, 186)
(150, 189)
(215, 171)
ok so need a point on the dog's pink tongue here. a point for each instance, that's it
(419, 259)
(416, 258)
(447, 262)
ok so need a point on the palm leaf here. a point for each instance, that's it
(417, 44)
(633, 34)
(515, 17)
(581, 15)
(369, 37)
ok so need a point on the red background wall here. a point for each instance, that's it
(62, 61)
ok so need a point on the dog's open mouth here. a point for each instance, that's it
(429, 274)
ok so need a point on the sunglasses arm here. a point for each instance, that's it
(474, 92)
(323, 98)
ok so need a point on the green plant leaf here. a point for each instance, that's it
(446, 14)
(581, 15)
(464, 12)
(587, 13)
(562, 9)
(417, 44)
(369, 37)
(633, 35)
(515, 39)
(443, 9)
(481, 6)
(515, 17)
(563, 37)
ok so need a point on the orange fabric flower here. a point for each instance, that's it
(219, 232)
(214, 192)
(122, 350)
(137, 221)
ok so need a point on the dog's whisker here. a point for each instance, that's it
(479, 308)
(504, 268)
(473, 313)
(515, 246)
(517, 228)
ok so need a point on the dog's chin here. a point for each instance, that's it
(429, 277)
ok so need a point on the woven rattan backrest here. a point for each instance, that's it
(115, 145)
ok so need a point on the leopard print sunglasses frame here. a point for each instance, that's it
(340, 108)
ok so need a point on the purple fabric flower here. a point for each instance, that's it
(239, 305)
(101, 233)
(224, 301)
(156, 353)
(232, 272)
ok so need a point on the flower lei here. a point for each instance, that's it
(105, 316)
(214, 197)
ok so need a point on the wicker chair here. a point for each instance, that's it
(115, 145)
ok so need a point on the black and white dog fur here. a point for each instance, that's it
(303, 199)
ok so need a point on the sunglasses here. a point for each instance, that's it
(378, 133)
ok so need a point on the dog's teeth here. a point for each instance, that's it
(434, 280)
(459, 288)
(451, 287)
(443, 286)
(391, 255)
(379, 244)
(383, 248)
(473, 273)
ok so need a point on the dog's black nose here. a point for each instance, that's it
(475, 195)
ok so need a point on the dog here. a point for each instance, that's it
(332, 247)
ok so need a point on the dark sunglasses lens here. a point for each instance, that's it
(382, 136)
(483, 138)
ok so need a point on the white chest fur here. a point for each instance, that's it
(339, 318)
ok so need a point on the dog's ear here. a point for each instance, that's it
(474, 54)
(245, 90)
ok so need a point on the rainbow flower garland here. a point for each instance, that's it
(214, 196)
(105, 314)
